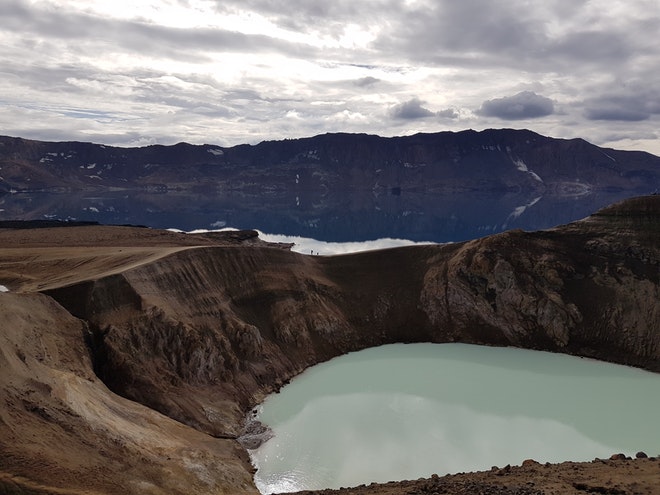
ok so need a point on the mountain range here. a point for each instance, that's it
(444, 162)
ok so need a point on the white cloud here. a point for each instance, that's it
(236, 71)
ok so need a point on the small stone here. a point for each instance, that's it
(641, 455)
(505, 470)
(618, 457)
(529, 463)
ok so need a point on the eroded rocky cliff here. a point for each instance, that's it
(202, 332)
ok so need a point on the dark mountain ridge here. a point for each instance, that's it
(444, 162)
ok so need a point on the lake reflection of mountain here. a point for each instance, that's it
(357, 216)
(442, 186)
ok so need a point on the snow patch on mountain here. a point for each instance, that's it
(522, 166)
(519, 211)
(608, 156)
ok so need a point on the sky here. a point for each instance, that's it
(132, 72)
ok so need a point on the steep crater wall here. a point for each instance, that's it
(204, 334)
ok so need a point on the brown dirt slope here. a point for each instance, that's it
(201, 335)
(62, 431)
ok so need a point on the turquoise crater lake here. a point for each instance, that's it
(404, 411)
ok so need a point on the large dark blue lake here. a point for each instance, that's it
(336, 217)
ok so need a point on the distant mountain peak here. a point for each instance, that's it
(442, 162)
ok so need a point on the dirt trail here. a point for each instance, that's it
(42, 259)
(38, 269)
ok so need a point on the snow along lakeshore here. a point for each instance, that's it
(305, 245)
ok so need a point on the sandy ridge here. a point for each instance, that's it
(43, 259)
(40, 268)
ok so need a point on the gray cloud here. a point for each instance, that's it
(524, 105)
(330, 66)
(111, 139)
(414, 109)
(591, 47)
(449, 32)
(330, 18)
(411, 109)
(636, 105)
(521, 35)
(366, 81)
(448, 113)
(620, 136)
(625, 114)
(190, 45)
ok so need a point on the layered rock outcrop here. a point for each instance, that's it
(202, 333)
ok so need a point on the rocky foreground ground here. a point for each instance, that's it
(130, 356)
(616, 476)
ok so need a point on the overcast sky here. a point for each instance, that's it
(132, 72)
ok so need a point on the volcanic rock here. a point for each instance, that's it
(131, 357)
